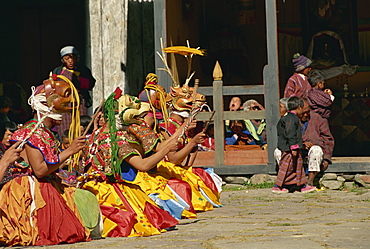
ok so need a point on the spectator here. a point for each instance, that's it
(19, 111)
(320, 100)
(209, 140)
(291, 172)
(283, 104)
(5, 105)
(99, 120)
(256, 127)
(80, 76)
(298, 84)
(235, 104)
(318, 142)
(6, 131)
(65, 141)
(84, 122)
(238, 134)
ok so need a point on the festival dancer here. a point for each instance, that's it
(36, 209)
(113, 160)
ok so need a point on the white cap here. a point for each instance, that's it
(68, 50)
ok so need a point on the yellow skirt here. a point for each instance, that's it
(200, 203)
(125, 208)
(154, 183)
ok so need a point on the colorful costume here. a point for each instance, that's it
(43, 211)
(205, 192)
(32, 209)
(126, 209)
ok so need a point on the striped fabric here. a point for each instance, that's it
(297, 85)
(318, 133)
(290, 170)
(320, 102)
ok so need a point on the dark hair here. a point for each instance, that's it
(5, 102)
(85, 120)
(8, 125)
(294, 102)
(233, 122)
(65, 133)
(315, 77)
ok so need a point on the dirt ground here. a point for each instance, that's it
(261, 219)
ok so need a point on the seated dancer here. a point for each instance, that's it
(206, 193)
(113, 159)
(36, 208)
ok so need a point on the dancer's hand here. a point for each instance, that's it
(199, 138)
(77, 144)
(172, 144)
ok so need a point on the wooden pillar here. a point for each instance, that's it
(271, 82)
(218, 105)
(160, 31)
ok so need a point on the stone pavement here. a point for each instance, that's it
(261, 219)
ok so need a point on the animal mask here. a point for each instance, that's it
(183, 98)
(58, 94)
(123, 109)
(131, 110)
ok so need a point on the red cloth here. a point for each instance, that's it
(206, 178)
(56, 222)
(160, 218)
(183, 189)
(123, 219)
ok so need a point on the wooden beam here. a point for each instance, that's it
(234, 90)
(271, 79)
(218, 104)
(160, 31)
(229, 115)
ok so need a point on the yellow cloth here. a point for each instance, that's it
(155, 183)
(107, 196)
(16, 217)
(170, 170)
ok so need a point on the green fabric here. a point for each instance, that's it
(252, 129)
(88, 208)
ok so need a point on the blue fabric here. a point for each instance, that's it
(304, 127)
(128, 172)
(230, 139)
(171, 206)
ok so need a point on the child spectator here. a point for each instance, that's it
(298, 84)
(209, 140)
(320, 100)
(84, 122)
(6, 131)
(238, 134)
(291, 172)
(65, 140)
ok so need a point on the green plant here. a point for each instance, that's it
(260, 185)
